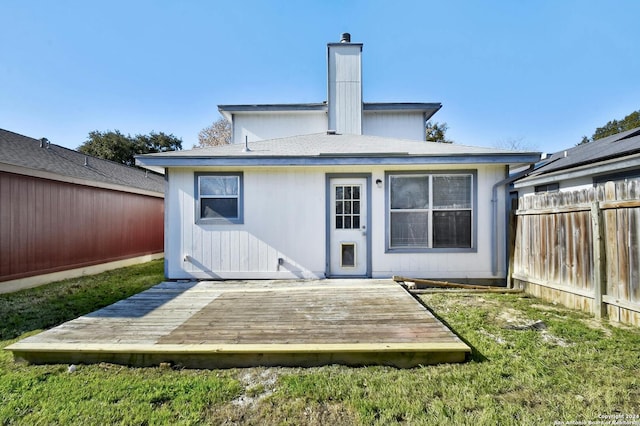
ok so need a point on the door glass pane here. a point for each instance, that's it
(348, 207)
(347, 222)
(348, 255)
(356, 222)
(356, 192)
(409, 192)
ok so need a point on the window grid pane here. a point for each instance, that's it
(452, 192)
(347, 210)
(219, 186)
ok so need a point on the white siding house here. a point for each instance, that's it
(335, 189)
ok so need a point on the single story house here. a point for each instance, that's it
(336, 189)
(64, 213)
(612, 158)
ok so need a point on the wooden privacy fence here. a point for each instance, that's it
(581, 249)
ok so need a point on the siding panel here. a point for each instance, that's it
(49, 226)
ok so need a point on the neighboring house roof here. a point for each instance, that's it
(428, 109)
(331, 149)
(613, 153)
(24, 152)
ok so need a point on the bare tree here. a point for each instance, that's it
(515, 144)
(219, 133)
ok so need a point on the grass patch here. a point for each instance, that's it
(566, 368)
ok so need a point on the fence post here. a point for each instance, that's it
(599, 261)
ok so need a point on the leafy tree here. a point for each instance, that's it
(156, 142)
(219, 133)
(436, 132)
(114, 146)
(110, 145)
(631, 121)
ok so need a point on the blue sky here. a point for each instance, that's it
(542, 73)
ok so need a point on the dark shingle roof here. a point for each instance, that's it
(618, 145)
(23, 151)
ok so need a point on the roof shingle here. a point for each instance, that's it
(23, 151)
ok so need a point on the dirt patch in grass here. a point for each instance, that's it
(258, 383)
(296, 412)
(574, 369)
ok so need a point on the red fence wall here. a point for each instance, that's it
(48, 226)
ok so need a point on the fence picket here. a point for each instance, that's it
(570, 252)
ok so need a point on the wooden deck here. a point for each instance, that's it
(240, 324)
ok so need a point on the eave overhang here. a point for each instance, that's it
(335, 160)
(228, 111)
(428, 109)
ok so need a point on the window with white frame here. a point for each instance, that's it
(219, 198)
(430, 210)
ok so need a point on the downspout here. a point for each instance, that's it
(494, 224)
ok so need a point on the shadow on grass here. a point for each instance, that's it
(476, 355)
(53, 304)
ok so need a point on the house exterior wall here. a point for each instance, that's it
(566, 185)
(401, 125)
(264, 126)
(285, 218)
(49, 226)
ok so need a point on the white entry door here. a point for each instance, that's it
(348, 226)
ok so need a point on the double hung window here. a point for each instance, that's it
(430, 210)
(219, 198)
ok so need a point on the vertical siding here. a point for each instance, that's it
(49, 226)
(401, 125)
(345, 88)
(285, 218)
(284, 213)
(265, 126)
(445, 265)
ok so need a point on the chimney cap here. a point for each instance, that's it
(345, 38)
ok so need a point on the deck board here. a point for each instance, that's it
(235, 324)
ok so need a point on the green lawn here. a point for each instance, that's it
(569, 368)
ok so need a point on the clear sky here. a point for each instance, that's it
(540, 72)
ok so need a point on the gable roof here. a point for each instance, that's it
(24, 152)
(332, 149)
(586, 156)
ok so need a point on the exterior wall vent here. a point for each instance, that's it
(331, 132)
